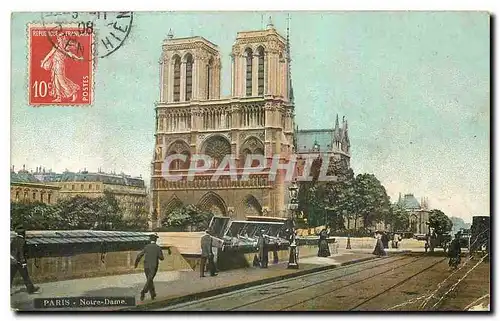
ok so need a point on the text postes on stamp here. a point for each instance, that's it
(110, 28)
(60, 65)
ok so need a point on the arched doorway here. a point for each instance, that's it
(213, 203)
(250, 206)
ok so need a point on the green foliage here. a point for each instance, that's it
(188, 216)
(440, 222)
(399, 218)
(348, 196)
(370, 199)
(79, 212)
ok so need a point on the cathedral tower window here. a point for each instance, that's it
(209, 76)
(249, 53)
(261, 71)
(177, 78)
(189, 77)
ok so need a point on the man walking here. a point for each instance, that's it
(454, 252)
(152, 254)
(207, 255)
(18, 259)
(263, 249)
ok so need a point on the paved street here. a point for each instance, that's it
(176, 285)
(402, 282)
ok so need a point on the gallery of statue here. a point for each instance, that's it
(258, 118)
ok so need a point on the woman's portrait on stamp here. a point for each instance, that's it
(62, 87)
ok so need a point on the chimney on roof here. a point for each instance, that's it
(24, 167)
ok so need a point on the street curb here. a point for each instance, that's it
(209, 293)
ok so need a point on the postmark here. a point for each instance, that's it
(60, 65)
(111, 29)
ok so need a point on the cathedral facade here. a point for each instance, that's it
(192, 118)
(258, 118)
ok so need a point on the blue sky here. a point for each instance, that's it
(414, 87)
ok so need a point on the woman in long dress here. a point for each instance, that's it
(379, 246)
(323, 249)
(54, 61)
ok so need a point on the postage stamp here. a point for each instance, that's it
(60, 65)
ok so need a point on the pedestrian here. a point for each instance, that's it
(323, 249)
(152, 255)
(207, 255)
(385, 240)
(18, 261)
(262, 245)
(379, 246)
(454, 252)
(395, 240)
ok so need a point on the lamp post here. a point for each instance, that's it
(292, 206)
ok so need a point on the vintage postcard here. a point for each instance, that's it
(250, 161)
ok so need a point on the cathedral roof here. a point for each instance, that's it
(308, 137)
(409, 202)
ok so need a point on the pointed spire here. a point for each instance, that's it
(170, 34)
(291, 97)
(337, 122)
(270, 23)
(399, 199)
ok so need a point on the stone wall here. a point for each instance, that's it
(47, 269)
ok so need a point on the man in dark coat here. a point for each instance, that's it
(152, 254)
(18, 260)
(263, 249)
(454, 252)
(385, 240)
(207, 255)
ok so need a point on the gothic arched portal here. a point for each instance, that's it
(213, 203)
(251, 206)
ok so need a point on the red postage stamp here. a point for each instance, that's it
(60, 65)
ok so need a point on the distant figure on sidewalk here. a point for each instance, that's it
(263, 250)
(18, 259)
(385, 240)
(152, 254)
(454, 252)
(395, 240)
(323, 249)
(207, 255)
(379, 247)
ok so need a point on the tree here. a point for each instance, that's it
(439, 222)
(398, 217)
(369, 199)
(188, 216)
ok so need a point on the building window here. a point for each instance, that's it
(65, 186)
(189, 77)
(261, 71)
(177, 78)
(98, 187)
(72, 187)
(34, 196)
(25, 195)
(48, 198)
(249, 72)
(81, 187)
(17, 196)
(90, 186)
(209, 76)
